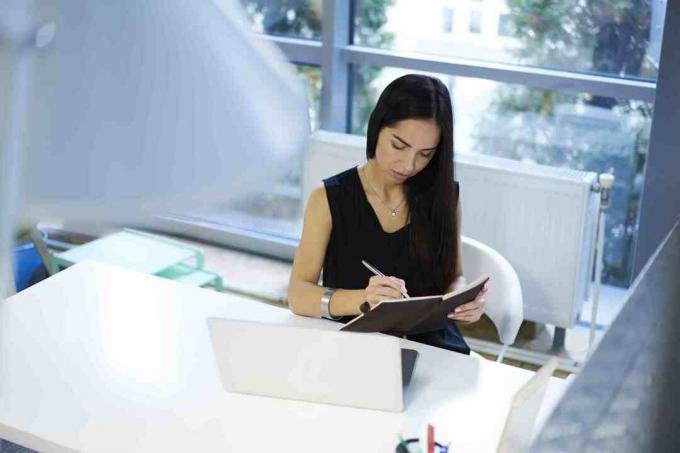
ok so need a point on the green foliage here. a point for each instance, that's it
(371, 15)
(525, 99)
(544, 26)
(285, 17)
(370, 18)
(365, 97)
(608, 36)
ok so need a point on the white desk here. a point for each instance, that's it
(99, 358)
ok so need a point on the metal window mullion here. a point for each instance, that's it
(504, 73)
(336, 25)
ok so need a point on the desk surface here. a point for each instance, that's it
(99, 358)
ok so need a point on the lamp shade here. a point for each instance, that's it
(141, 107)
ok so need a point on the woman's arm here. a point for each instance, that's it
(304, 293)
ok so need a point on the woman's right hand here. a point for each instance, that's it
(384, 288)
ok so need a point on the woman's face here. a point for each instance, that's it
(406, 147)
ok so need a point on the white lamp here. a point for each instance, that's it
(127, 108)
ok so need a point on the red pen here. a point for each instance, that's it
(430, 439)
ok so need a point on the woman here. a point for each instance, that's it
(399, 212)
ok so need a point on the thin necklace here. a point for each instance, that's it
(393, 211)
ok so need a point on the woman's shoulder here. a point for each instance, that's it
(341, 179)
(317, 194)
(341, 193)
(318, 207)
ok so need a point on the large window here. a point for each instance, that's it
(566, 83)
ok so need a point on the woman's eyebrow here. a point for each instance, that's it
(404, 142)
(401, 140)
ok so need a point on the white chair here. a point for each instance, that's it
(504, 298)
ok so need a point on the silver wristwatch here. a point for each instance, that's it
(325, 300)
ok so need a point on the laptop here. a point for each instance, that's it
(349, 369)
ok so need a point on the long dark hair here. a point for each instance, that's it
(431, 193)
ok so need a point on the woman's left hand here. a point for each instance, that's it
(471, 311)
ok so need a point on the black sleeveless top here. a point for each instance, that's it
(357, 235)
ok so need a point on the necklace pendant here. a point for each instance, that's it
(394, 213)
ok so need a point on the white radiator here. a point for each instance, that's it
(542, 219)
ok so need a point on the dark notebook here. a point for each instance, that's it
(416, 314)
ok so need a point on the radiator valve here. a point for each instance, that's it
(606, 181)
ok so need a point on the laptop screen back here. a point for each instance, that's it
(350, 369)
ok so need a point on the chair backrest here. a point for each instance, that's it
(521, 420)
(504, 298)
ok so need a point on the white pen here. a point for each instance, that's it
(379, 274)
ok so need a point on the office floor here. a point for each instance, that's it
(266, 279)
